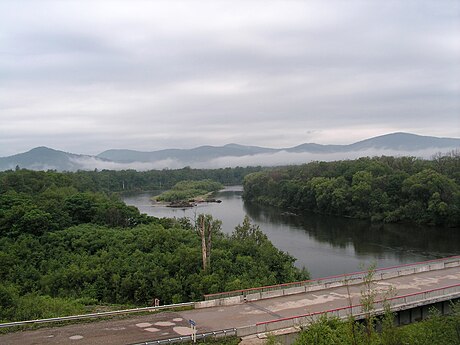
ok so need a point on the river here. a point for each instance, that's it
(325, 245)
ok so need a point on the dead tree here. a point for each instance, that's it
(205, 227)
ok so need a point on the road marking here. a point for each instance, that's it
(115, 328)
(151, 329)
(183, 330)
(164, 323)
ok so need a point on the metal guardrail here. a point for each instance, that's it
(215, 334)
(329, 280)
(97, 315)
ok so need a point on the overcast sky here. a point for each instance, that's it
(86, 76)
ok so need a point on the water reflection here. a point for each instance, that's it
(326, 245)
(364, 236)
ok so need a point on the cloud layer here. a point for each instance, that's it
(86, 76)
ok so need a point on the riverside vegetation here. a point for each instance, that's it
(436, 330)
(382, 189)
(190, 190)
(68, 247)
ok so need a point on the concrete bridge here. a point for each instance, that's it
(413, 288)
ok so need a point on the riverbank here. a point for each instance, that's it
(327, 245)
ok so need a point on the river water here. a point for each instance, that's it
(325, 245)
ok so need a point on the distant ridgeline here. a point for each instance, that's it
(384, 189)
(233, 155)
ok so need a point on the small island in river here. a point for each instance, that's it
(189, 193)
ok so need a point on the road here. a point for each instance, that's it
(173, 324)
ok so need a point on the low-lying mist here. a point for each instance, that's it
(267, 159)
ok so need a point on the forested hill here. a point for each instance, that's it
(384, 189)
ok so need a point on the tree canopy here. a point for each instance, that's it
(67, 247)
(384, 189)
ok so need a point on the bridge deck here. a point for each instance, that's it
(173, 324)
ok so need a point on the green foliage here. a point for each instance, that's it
(34, 306)
(367, 300)
(129, 266)
(37, 210)
(186, 190)
(65, 243)
(382, 189)
(436, 330)
(325, 331)
(249, 232)
(27, 181)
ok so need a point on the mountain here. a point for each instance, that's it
(43, 158)
(401, 142)
(198, 154)
(404, 142)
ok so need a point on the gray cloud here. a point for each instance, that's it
(85, 76)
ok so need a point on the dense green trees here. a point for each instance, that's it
(131, 266)
(56, 208)
(117, 181)
(382, 189)
(66, 245)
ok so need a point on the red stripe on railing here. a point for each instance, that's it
(354, 306)
(329, 277)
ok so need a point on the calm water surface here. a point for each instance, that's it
(325, 245)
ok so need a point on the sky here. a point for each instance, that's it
(90, 75)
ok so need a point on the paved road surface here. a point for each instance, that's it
(173, 324)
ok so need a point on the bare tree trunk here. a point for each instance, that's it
(208, 245)
(202, 231)
(205, 226)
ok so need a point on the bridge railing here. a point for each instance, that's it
(332, 281)
(395, 304)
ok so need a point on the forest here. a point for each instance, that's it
(67, 246)
(381, 189)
